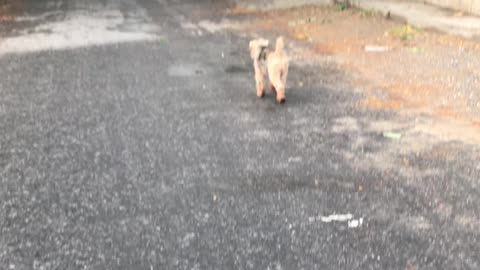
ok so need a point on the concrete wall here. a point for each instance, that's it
(470, 6)
(274, 4)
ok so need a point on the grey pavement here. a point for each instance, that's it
(152, 152)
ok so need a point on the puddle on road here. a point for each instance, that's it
(185, 70)
(236, 69)
(34, 26)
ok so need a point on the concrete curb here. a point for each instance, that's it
(425, 16)
(265, 5)
(414, 12)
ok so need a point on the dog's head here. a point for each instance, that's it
(257, 46)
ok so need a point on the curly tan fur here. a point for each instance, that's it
(272, 63)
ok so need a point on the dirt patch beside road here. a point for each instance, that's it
(396, 66)
(7, 11)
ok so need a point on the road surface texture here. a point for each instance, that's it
(131, 138)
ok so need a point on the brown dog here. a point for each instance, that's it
(271, 63)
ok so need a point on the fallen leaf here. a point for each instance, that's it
(392, 135)
(300, 36)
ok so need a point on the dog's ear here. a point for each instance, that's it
(280, 44)
(255, 48)
(260, 42)
(254, 51)
(263, 43)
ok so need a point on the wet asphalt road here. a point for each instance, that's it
(158, 155)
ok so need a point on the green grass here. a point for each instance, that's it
(405, 32)
(369, 13)
(341, 7)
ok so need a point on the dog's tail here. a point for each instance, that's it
(280, 45)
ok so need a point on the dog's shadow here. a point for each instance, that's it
(295, 96)
(298, 96)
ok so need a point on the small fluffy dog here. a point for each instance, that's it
(271, 63)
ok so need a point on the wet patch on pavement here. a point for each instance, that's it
(79, 25)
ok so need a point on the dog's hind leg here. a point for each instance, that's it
(260, 87)
(272, 88)
(259, 80)
(282, 82)
(284, 75)
(276, 81)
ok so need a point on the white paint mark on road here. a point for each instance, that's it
(336, 217)
(352, 223)
(295, 159)
(187, 239)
